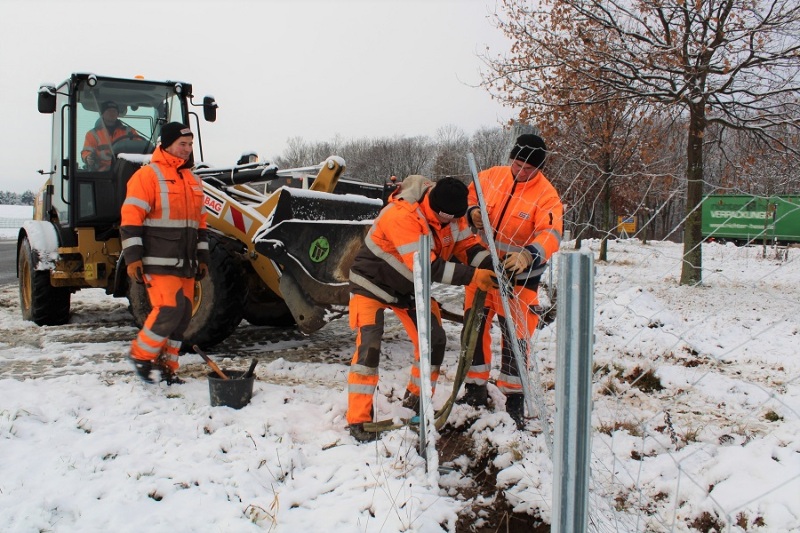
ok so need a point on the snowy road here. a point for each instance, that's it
(103, 325)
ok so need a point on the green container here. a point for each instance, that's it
(745, 218)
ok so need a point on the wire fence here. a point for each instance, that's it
(696, 392)
(10, 223)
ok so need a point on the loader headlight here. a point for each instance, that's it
(178, 88)
(91, 80)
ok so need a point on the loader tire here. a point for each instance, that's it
(40, 302)
(218, 303)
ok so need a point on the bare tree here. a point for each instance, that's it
(490, 146)
(414, 156)
(726, 62)
(452, 145)
(297, 154)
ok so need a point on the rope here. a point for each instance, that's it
(469, 341)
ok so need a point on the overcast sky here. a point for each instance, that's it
(278, 68)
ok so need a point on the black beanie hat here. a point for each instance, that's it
(529, 149)
(108, 105)
(449, 196)
(171, 131)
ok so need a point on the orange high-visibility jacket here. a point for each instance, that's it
(383, 267)
(522, 215)
(163, 218)
(98, 141)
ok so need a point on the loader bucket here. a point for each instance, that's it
(314, 237)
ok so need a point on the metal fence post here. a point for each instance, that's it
(575, 327)
(505, 290)
(422, 295)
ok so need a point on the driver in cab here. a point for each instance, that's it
(97, 150)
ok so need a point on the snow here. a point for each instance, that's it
(321, 195)
(85, 446)
(141, 159)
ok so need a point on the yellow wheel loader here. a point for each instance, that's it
(281, 241)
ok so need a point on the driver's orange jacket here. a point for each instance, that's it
(98, 141)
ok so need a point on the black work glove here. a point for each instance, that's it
(202, 271)
(406, 302)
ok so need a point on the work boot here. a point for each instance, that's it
(358, 432)
(475, 395)
(411, 401)
(515, 407)
(169, 377)
(143, 369)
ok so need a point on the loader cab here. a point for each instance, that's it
(92, 157)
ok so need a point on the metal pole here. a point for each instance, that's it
(575, 327)
(505, 290)
(422, 295)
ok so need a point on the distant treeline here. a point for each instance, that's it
(14, 198)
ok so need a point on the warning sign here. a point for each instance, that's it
(626, 225)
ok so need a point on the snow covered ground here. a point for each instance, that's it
(696, 418)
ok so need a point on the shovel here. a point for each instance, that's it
(211, 363)
(250, 370)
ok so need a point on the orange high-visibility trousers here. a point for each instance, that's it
(162, 332)
(523, 305)
(367, 318)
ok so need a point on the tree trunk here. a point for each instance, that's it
(691, 273)
(608, 226)
(640, 227)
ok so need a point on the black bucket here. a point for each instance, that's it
(233, 392)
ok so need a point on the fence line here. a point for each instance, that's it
(6, 223)
(694, 388)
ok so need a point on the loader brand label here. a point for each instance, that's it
(213, 204)
(319, 250)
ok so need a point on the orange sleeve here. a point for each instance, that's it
(89, 145)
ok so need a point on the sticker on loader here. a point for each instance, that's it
(319, 250)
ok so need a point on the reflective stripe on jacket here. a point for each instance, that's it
(523, 214)
(163, 218)
(383, 267)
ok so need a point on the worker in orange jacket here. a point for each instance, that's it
(381, 278)
(97, 150)
(526, 217)
(165, 245)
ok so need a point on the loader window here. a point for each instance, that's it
(87, 206)
(110, 132)
(111, 118)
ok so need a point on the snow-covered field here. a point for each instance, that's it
(696, 418)
(11, 217)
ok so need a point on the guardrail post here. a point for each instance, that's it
(575, 327)
(422, 295)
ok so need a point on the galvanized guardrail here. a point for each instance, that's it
(12, 222)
